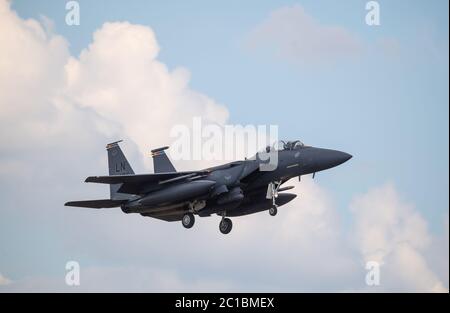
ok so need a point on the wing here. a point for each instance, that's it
(137, 184)
(96, 204)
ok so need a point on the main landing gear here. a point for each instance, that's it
(188, 220)
(225, 225)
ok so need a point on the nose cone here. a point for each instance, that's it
(341, 157)
(330, 158)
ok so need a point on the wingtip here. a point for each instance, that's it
(113, 144)
(155, 151)
(89, 179)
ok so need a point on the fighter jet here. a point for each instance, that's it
(234, 189)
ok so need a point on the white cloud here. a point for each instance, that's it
(119, 77)
(4, 281)
(291, 33)
(383, 221)
(56, 113)
(393, 233)
(115, 88)
(118, 279)
(31, 74)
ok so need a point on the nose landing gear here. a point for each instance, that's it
(273, 210)
(272, 193)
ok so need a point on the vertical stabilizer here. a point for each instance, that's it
(118, 165)
(161, 163)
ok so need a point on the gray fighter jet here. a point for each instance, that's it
(233, 189)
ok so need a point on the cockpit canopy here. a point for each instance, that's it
(293, 145)
(286, 145)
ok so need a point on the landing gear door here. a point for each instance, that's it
(270, 191)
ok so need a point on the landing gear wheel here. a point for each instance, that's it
(273, 210)
(188, 220)
(225, 225)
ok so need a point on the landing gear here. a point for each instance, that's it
(272, 193)
(225, 225)
(188, 220)
(273, 210)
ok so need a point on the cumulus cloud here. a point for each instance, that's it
(31, 74)
(116, 87)
(292, 33)
(120, 78)
(391, 232)
(56, 113)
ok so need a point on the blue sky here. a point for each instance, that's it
(389, 109)
(390, 113)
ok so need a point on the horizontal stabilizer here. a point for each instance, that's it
(96, 204)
